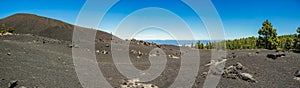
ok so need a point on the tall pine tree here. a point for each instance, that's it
(267, 36)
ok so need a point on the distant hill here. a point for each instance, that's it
(47, 27)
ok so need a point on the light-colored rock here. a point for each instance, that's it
(97, 51)
(140, 53)
(8, 54)
(297, 78)
(247, 77)
(213, 62)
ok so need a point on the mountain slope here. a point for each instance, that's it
(43, 26)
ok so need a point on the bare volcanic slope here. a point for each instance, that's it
(43, 26)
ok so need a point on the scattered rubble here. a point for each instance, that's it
(140, 42)
(139, 53)
(133, 51)
(136, 84)
(234, 72)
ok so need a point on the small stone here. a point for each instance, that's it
(98, 51)
(106, 45)
(104, 52)
(257, 52)
(8, 54)
(297, 73)
(173, 57)
(239, 66)
(234, 56)
(73, 46)
(204, 74)
(13, 84)
(140, 53)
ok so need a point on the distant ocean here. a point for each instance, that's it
(178, 42)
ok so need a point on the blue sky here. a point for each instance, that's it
(240, 18)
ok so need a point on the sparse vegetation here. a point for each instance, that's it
(200, 45)
(10, 29)
(267, 39)
(5, 30)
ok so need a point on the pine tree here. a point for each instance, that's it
(288, 44)
(199, 45)
(267, 36)
(297, 39)
(3, 29)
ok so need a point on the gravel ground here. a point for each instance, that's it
(42, 62)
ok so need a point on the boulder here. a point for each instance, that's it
(247, 77)
(275, 56)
